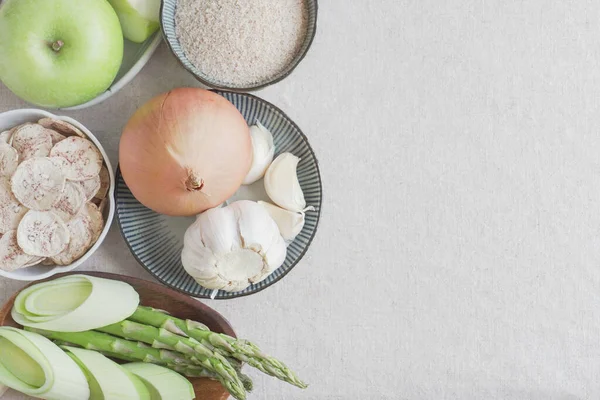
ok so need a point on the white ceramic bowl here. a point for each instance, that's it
(12, 118)
(135, 56)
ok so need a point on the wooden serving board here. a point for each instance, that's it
(158, 296)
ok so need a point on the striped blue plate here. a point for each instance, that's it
(156, 240)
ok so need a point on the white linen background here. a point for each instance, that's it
(458, 252)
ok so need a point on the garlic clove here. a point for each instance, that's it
(263, 151)
(290, 223)
(282, 185)
(200, 263)
(230, 248)
(275, 258)
(198, 260)
(260, 233)
(258, 230)
(218, 230)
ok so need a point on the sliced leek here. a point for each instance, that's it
(32, 364)
(107, 379)
(162, 383)
(75, 303)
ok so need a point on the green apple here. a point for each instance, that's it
(139, 18)
(59, 53)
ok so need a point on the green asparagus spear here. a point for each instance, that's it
(188, 370)
(130, 350)
(247, 381)
(102, 342)
(193, 371)
(165, 358)
(160, 338)
(226, 345)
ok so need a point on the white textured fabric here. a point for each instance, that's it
(458, 255)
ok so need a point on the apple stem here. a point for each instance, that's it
(56, 46)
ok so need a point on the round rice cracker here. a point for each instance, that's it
(12, 257)
(5, 136)
(81, 239)
(90, 187)
(55, 136)
(71, 202)
(42, 234)
(38, 183)
(9, 160)
(32, 140)
(97, 220)
(35, 261)
(101, 204)
(61, 127)
(11, 211)
(84, 161)
(8, 135)
(47, 262)
(104, 183)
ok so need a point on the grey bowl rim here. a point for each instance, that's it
(237, 295)
(268, 83)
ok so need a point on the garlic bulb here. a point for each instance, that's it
(232, 247)
(290, 223)
(263, 151)
(281, 183)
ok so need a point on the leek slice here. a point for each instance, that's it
(75, 303)
(20, 307)
(20, 364)
(107, 379)
(32, 364)
(51, 301)
(95, 389)
(163, 383)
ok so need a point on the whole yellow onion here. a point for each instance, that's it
(185, 151)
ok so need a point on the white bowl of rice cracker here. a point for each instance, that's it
(56, 194)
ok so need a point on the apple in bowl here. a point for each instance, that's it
(59, 53)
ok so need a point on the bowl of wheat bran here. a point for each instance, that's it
(239, 46)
